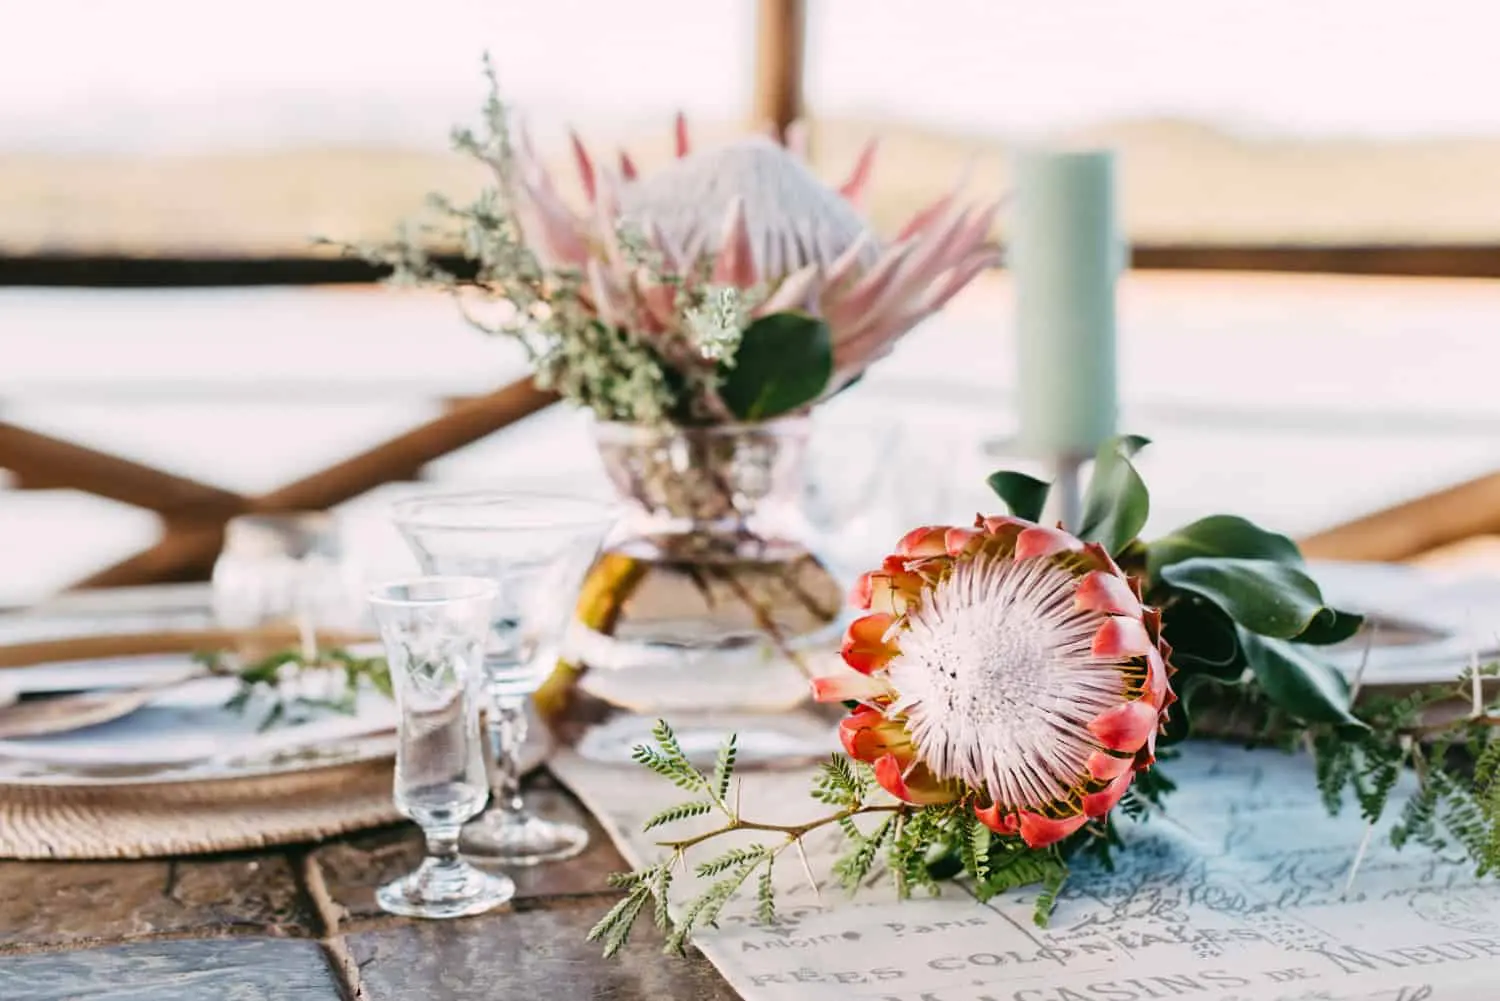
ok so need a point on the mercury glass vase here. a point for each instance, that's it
(707, 608)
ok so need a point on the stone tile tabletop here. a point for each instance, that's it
(300, 924)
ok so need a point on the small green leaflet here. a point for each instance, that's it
(783, 363)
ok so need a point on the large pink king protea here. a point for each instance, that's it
(753, 216)
(1008, 665)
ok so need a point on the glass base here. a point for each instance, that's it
(762, 740)
(445, 890)
(506, 839)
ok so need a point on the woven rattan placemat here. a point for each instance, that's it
(140, 821)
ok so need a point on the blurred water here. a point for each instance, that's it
(1295, 401)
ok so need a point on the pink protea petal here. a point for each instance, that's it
(585, 165)
(1121, 637)
(990, 817)
(868, 736)
(1157, 691)
(1105, 766)
(849, 686)
(1039, 831)
(998, 524)
(843, 266)
(1126, 727)
(796, 291)
(889, 589)
(853, 187)
(957, 538)
(627, 167)
(606, 300)
(865, 648)
(680, 135)
(1097, 804)
(735, 264)
(914, 785)
(672, 258)
(926, 216)
(1100, 591)
(1146, 756)
(851, 307)
(1039, 540)
(924, 541)
(659, 299)
(940, 292)
(864, 589)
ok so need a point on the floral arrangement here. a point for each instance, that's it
(1010, 685)
(731, 285)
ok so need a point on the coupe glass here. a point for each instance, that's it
(434, 630)
(536, 547)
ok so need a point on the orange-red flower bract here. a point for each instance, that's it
(1010, 666)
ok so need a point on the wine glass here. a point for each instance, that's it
(434, 630)
(536, 547)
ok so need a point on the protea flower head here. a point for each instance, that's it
(1008, 665)
(753, 216)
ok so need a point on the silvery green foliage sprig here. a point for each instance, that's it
(612, 371)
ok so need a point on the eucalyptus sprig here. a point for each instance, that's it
(268, 682)
(909, 845)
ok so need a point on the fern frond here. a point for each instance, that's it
(724, 767)
(1052, 883)
(974, 848)
(765, 894)
(852, 869)
(730, 859)
(681, 811)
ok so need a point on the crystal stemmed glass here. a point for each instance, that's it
(536, 547)
(434, 630)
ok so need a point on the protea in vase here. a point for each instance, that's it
(700, 311)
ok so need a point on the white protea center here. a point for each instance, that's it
(792, 218)
(998, 681)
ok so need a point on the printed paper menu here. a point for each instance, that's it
(1240, 892)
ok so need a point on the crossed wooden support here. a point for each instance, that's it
(194, 514)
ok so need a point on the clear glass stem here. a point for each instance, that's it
(443, 871)
(507, 731)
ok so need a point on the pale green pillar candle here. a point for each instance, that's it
(1064, 254)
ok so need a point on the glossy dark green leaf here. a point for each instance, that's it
(1220, 535)
(1331, 629)
(1024, 495)
(1116, 503)
(783, 363)
(1203, 639)
(1272, 599)
(1300, 684)
(1179, 723)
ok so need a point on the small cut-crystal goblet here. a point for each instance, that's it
(434, 629)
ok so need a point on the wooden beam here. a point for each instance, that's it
(1439, 261)
(40, 462)
(187, 550)
(403, 457)
(780, 39)
(1415, 527)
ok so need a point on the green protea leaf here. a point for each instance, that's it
(783, 363)
(1220, 535)
(1265, 597)
(1024, 495)
(1297, 682)
(1116, 503)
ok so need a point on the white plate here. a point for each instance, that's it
(186, 733)
(1428, 624)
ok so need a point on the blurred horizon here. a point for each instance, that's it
(132, 128)
(153, 74)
